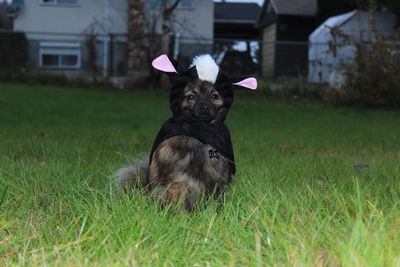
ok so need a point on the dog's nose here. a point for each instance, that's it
(205, 108)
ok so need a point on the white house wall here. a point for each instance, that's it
(72, 23)
(324, 65)
(63, 20)
(197, 22)
(49, 21)
(195, 28)
(359, 25)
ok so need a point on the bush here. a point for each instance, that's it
(13, 50)
(294, 89)
(374, 81)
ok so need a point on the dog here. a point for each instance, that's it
(192, 156)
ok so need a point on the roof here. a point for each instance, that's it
(306, 8)
(295, 7)
(236, 12)
(385, 23)
(333, 22)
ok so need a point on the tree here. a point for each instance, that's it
(149, 32)
(5, 20)
(329, 8)
(136, 37)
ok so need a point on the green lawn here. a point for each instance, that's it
(297, 199)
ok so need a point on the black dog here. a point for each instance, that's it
(192, 156)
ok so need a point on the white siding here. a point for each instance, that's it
(197, 22)
(75, 19)
(325, 64)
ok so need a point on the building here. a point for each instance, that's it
(193, 25)
(59, 32)
(69, 36)
(236, 21)
(329, 50)
(285, 26)
(236, 37)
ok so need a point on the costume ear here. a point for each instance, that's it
(162, 63)
(249, 83)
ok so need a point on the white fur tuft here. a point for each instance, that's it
(132, 175)
(206, 68)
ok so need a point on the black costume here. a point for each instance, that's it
(216, 134)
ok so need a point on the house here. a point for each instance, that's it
(58, 31)
(236, 37)
(236, 20)
(285, 26)
(63, 34)
(329, 48)
(193, 25)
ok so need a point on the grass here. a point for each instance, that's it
(297, 199)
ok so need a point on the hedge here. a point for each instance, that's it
(13, 50)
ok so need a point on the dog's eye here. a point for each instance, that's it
(190, 97)
(215, 96)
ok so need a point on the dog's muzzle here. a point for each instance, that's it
(205, 111)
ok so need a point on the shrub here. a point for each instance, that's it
(13, 50)
(293, 89)
(374, 81)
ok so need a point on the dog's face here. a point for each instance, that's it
(201, 101)
(201, 92)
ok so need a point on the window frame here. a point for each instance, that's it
(60, 49)
(55, 3)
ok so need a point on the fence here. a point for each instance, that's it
(99, 55)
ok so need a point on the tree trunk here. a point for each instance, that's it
(137, 43)
(146, 43)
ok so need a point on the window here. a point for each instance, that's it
(188, 4)
(60, 55)
(61, 2)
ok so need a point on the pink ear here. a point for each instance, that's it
(250, 83)
(163, 63)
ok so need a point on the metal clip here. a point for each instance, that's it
(213, 153)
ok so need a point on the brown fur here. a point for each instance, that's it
(202, 89)
(181, 170)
